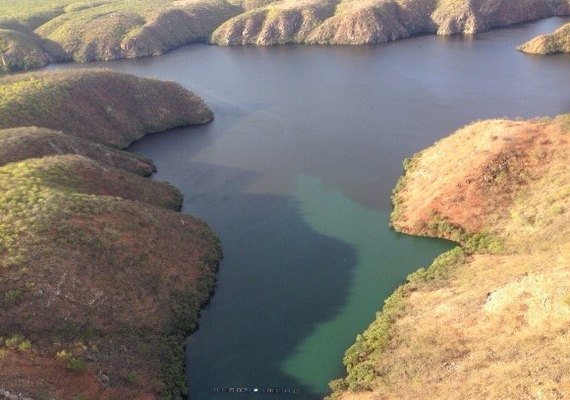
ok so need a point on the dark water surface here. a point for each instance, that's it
(295, 175)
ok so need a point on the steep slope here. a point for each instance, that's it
(279, 23)
(364, 22)
(489, 319)
(556, 42)
(107, 29)
(475, 16)
(104, 106)
(375, 21)
(183, 22)
(22, 51)
(38, 32)
(100, 278)
(101, 288)
(17, 144)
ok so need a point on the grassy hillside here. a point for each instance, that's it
(100, 278)
(84, 30)
(113, 282)
(35, 32)
(489, 319)
(556, 42)
(17, 144)
(100, 105)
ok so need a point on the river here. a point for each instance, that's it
(295, 175)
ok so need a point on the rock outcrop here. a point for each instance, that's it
(104, 30)
(375, 21)
(556, 42)
(488, 319)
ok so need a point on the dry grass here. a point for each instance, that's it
(84, 30)
(18, 144)
(100, 278)
(99, 105)
(493, 326)
(82, 265)
(556, 42)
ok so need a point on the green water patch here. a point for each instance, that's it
(384, 259)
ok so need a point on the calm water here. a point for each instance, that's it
(295, 175)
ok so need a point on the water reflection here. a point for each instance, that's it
(295, 175)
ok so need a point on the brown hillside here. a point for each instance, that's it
(17, 144)
(39, 31)
(100, 279)
(114, 283)
(375, 21)
(490, 319)
(85, 175)
(556, 42)
(99, 105)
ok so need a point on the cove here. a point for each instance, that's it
(295, 175)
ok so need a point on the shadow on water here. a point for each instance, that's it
(302, 274)
(287, 177)
(279, 278)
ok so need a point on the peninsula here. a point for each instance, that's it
(556, 42)
(488, 319)
(101, 278)
(35, 33)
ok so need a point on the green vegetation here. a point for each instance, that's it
(362, 357)
(408, 165)
(71, 362)
(121, 273)
(481, 307)
(14, 342)
(37, 32)
(477, 242)
(440, 269)
(111, 108)
(359, 358)
(18, 144)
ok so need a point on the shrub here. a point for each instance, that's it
(132, 378)
(13, 341)
(63, 355)
(25, 345)
(77, 365)
(440, 268)
(13, 296)
(371, 343)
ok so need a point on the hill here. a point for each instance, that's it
(36, 32)
(108, 107)
(101, 278)
(489, 319)
(375, 21)
(556, 42)
(17, 144)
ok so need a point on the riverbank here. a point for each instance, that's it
(101, 278)
(490, 318)
(34, 34)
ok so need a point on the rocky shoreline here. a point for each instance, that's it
(104, 31)
(486, 319)
(556, 42)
